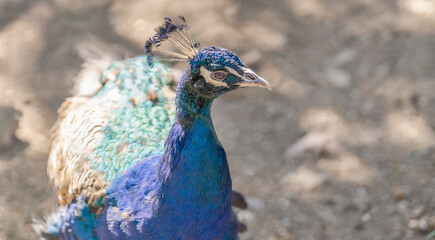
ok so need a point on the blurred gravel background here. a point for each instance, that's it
(342, 148)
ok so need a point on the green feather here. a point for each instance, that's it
(140, 126)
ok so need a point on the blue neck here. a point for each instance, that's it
(190, 104)
(196, 183)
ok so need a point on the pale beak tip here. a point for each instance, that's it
(264, 84)
(254, 80)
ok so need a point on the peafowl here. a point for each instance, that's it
(137, 160)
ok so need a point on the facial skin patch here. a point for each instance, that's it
(206, 74)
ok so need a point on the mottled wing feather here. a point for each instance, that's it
(96, 139)
(75, 136)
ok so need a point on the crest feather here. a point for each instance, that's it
(172, 40)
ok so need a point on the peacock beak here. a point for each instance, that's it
(251, 79)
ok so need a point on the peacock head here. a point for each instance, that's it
(212, 71)
(217, 70)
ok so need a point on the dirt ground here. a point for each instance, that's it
(342, 148)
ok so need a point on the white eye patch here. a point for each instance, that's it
(234, 72)
(206, 74)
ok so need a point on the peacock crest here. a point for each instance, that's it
(173, 41)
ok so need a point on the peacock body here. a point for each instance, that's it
(137, 160)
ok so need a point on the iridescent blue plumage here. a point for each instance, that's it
(181, 192)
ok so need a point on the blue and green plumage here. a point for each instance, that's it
(132, 162)
(140, 125)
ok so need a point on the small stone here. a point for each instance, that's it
(413, 224)
(366, 217)
(338, 78)
(399, 193)
(422, 225)
(417, 211)
(403, 206)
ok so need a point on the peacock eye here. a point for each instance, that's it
(219, 75)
